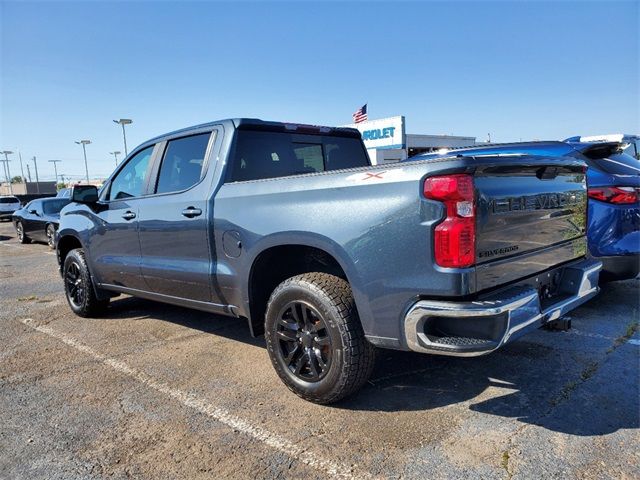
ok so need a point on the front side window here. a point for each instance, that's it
(182, 163)
(130, 181)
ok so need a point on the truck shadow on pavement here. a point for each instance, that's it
(555, 380)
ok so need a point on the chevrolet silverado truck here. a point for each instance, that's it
(290, 227)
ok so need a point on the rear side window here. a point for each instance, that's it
(9, 200)
(263, 154)
(181, 166)
(54, 206)
(619, 164)
(130, 181)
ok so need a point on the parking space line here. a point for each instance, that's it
(217, 413)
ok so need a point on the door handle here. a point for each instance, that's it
(128, 215)
(191, 212)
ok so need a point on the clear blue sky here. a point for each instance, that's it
(514, 69)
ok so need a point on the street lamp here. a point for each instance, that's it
(84, 144)
(115, 155)
(55, 169)
(123, 122)
(35, 164)
(6, 168)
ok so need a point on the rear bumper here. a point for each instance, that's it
(6, 214)
(620, 267)
(480, 327)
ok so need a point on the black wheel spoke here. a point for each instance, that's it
(300, 363)
(292, 355)
(322, 341)
(287, 335)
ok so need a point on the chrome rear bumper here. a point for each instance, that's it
(480, 327)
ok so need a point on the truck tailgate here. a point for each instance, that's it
(529, 218)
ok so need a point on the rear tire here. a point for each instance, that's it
(50, 232)
(79, 288)
(22, 237)
(315, 340)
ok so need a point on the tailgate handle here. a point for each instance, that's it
(191, 212)
(547, 173)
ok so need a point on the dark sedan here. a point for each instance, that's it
(38, 220)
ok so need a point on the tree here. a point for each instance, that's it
(17, 179)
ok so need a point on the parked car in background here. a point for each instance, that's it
(613, 179)
(38, 220)
(8, 205)
(290, 227)
(64, 193)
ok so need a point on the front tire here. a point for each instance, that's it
(79, 288)
(315, 340)
(22, 237)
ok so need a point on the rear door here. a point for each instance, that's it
(174, 231)
(114, 244)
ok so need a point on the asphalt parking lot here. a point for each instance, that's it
(154, 391)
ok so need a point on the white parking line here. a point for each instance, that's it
(217, 413)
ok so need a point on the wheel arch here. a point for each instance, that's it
(278, 260)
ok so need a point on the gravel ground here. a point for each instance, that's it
(155, 391)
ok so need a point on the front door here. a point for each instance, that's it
(173, 222)
(114, 244)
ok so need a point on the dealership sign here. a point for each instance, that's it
(383, 133)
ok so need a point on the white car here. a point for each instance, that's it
(8, 205)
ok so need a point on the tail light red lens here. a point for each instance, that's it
(455, 236)
(617, 195)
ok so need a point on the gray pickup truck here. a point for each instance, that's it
(290, 227)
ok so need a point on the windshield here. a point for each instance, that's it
(9, 200)
(54, 206)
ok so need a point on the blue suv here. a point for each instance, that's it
(613, 181)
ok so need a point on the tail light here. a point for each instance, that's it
(455, 236)
(617, 195)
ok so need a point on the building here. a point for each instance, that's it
(28, 188)
(387, 141)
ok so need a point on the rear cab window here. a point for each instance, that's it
(268, 154)
(9, 200)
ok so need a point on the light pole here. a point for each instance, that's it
(84, 144)
(123, 122)
(35, 163)
(6, 168)
(55, 169)
(24, 180)
(115, 155)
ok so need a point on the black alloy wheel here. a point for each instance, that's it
(314, 337)
(304, 344)
(75, 285)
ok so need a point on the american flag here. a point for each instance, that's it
(360, 115)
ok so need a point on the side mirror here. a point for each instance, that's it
(84, 194)
(33, 211)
